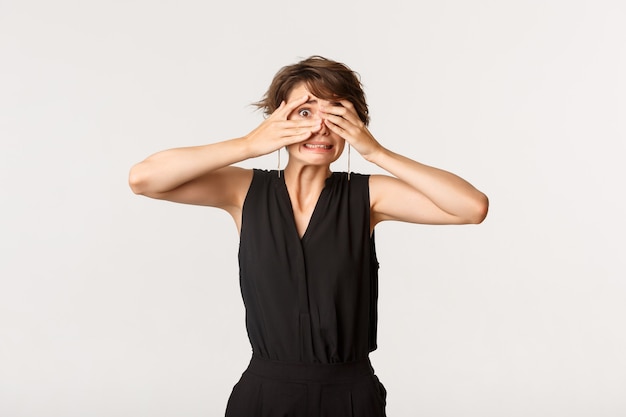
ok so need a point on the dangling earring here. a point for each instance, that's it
(348, 162)
(278, 169)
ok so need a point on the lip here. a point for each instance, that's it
(318, 146)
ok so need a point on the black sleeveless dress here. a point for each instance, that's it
(311, 302)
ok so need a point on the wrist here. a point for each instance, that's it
(248, 147)
(377, 155)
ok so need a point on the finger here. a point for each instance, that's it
(346, 111)
(296, 127)
(302, 129)
(347, 104)
(292, 105)
(277, 110)
(336, 128)
(295, 138)
(289, 128)
(338, 121)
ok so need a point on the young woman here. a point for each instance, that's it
(308, 268)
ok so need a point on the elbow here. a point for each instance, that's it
(480, 209)
(137, 180)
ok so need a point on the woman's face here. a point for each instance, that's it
(322, 147)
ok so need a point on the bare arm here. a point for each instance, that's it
(194, 175)
(418, 193)
(204, 175)
(415, 192)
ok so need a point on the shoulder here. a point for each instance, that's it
(378, 183)
(263, 176)
(350, 177)
(385, 189)
(261, 182)
(353, 185)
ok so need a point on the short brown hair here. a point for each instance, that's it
(325, 78)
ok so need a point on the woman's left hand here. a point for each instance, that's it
(344, 121)
(414, 192)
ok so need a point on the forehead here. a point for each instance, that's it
(302, 89)
(299, 91)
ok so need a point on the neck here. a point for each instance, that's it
(307, 174)
(305, 182)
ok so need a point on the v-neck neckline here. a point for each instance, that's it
(314, 213)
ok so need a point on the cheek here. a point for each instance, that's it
(340, 141)
(341, 144)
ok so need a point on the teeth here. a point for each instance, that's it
(313, 146)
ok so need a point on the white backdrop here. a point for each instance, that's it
(117, 305)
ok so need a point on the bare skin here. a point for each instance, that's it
(314, 132)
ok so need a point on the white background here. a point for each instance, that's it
(117, 305)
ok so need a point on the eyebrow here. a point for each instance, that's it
(332, 103)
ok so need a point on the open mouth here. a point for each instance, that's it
(317, 146)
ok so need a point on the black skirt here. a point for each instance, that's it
(278, 389)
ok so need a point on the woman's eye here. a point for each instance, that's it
(304, 113)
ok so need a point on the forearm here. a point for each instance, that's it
(167, 170)
(448, 191)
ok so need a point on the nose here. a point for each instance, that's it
(324, 130)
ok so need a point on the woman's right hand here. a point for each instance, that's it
(278, 130)
(204, 174)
